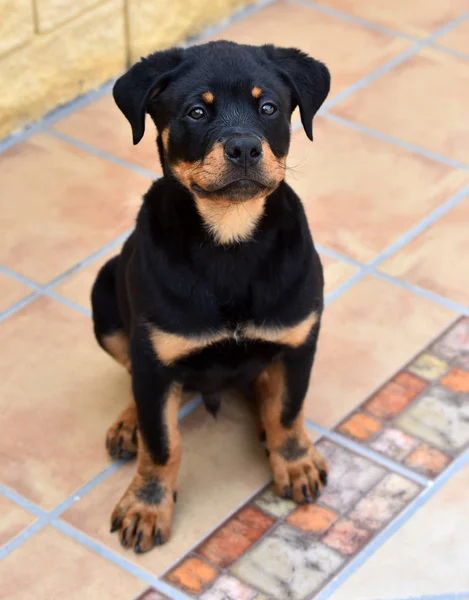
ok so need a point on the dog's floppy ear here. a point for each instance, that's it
(134, 90)
(309, 81)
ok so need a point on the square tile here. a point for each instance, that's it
(456, 38)
(72, 203)
(13, 519)
(286, 564)
(394, 396)
(272, 504)
(360, 344)
(192, 575)
(312, 518)
(102, 125)
(211, 484)
(235, 536)
(12, 291)
(346, 537)
(457, 380)
(350, 476)
(427, 460)
(433, 259)
(394, 443)
(322, 36)
(382, 191)
(359, 426)
(384, 501)
(441, 418)
(52, 565)
(416, 110)
(428, 366)
(227, 587)
(455, 342)
(418, 18)
(55, 379)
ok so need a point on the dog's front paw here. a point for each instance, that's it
(121, 437)
(299, 471)
(143, 515)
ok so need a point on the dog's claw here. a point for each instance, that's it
(115, 524)
(124, 540)
(287, 493)
(137, 543)
(158, 540)
(323, 476)
(308, 498)
(175, 496)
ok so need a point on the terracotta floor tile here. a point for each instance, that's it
(359, 192)
(456, 38)
(427, 460)
(360, 427)
(272, 504)
(192, 575)
(311, 518)
(233, 538)
(346, 536)
(428, 366)
(51, 565)
(102, 125)
(417, 18)
(211, 484)
(416, 110)
(335, 273)
(427, 556)
(59, 393)
(362, 344)
(457, 380)
(78, 286)
(384, 501)
(71, 203)
(13, 519)
(322, 36)
(394, 396)
(12, 291)
(280, 565)
(393, 443)
(433, 259)
(227, 587)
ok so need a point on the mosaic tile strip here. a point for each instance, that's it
(151, 594)
(273, 549)
(420, 418)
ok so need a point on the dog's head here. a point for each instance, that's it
(223, 112)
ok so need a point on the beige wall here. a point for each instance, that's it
(54, 50)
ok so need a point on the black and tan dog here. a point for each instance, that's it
(219, 286)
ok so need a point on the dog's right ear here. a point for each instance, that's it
(133, 91)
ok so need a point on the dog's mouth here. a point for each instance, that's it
(237, 190)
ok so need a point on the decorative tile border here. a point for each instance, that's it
(274, 549)
(420, 417)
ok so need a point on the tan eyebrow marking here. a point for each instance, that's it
(208, 97)
(256, 92)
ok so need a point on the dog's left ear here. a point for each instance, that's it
(309, 81)
(134, 90)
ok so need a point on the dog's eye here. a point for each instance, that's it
(197, 113)
(268, 108)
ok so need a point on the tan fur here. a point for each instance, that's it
(290, 336)
(170, 347)
(117, 344)
(256, 92)
(122, 434)
(208, 97)
(165, 138)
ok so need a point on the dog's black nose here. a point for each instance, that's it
(243, 150)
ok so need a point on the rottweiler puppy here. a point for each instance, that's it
(219, 286)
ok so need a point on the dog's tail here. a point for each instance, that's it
(108, 324)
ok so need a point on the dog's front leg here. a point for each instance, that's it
(144, 513)
(299, 471)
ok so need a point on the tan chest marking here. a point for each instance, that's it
(170, 347)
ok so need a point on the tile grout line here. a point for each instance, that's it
(395, 525)
(449, 596)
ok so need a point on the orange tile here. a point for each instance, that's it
(192, 575)
(336, 272)
(433, 259)
(326, 38)
(346, 536)
(418, 18)
(234, 537)
(78, 286)
(361, 344)
(456, 38)
(457, 380)
(72, 203)
(362, 211)
(395, 396)
(360, 426)
(59, 393)
(13, 520)
(223, 464)
(312, 518)
(52, 565)
(416, 110)
(12, 291)
(102, 125)
(427, 460)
